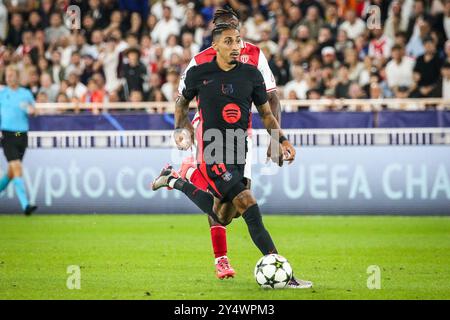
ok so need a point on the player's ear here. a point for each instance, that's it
(215, 46)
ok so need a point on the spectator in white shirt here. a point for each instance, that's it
(3, 21)
(299, 85)
(399, 71)
(76, 89)
(172, 47)
(165, 27)
(353, 25)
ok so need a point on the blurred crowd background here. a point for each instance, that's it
(136, 50)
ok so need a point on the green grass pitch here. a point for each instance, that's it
(170, 257)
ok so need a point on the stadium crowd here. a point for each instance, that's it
(136, 50)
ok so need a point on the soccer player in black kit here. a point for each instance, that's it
(225, 90)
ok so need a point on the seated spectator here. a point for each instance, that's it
(428, 66)
(403, 92)
(42, 97)
(75, 90)
(170, 88)
(172, 47)
(442, 87)
(46, 86)
(165, 27)
(343, 85)
(298, 84)
(353, 25)
(355, 67)
(329, 58)
(399, 71)
(93, 94)
(135, 96)
(56, 30)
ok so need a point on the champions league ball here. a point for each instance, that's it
(273, 272)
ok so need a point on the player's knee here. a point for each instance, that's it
(15, 169)
(244, 200)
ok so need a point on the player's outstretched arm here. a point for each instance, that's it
(273, 128)
(182, 122)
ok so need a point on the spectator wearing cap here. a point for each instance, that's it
(134, 71)
(165, 27)
(428, 66)
(353, 25)
(329, 57)
(399, 71)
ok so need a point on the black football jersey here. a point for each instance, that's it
(224, 100)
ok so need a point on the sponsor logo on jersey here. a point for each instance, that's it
(231, 113)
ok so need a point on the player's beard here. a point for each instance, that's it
(234, 61)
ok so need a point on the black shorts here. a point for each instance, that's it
(224, 181)
(14, 145)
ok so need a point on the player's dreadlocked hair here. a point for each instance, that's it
(224, 14)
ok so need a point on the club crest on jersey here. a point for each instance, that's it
(227, 89)
(244, 58)
(227, 176)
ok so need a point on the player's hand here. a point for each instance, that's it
(182, 138)
(288, 151)
(278, 157)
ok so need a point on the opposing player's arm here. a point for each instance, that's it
(182, 121)
(273, 128)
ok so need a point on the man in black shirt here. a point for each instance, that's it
(225, 90)
(427, 70)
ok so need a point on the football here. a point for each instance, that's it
(273, 272)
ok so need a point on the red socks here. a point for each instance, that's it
(218, 233)
(219, 240)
